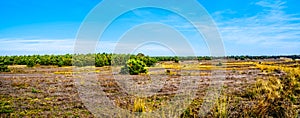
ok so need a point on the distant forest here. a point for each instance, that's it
(106, 59)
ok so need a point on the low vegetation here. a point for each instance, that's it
(258, 86)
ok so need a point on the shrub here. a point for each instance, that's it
(33, 90)
(219, 64)
(134, 67)
(168, 72)
(146, 59)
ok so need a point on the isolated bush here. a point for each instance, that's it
(134, 67)
(168, 72)
(146, 59)
(219, 64)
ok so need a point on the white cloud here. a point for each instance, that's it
(28, 44)
(14, 46)
(270, 28)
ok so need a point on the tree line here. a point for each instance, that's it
(98, 60)
(108, 59)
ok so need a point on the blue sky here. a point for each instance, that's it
(247, 27)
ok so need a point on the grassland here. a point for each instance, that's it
(251, 88)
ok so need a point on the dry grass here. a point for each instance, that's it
(221, 107)
(275, 94)
(139, 105)
(171, 66)
(17, 66)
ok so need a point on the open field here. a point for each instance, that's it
(251, 88)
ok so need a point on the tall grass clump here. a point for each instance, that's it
(221, 107)
(139, 105)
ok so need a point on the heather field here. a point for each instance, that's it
(251, 88)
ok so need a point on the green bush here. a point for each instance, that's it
(33, 90)
(30, 63)
(134, 67)
(3, 68)
(5, 107)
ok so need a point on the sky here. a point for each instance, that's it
(247, 27)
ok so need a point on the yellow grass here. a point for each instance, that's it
(171, 66)
(239, 63)
(289, 70)
(139, 105)
(17, 66)
(72, 72)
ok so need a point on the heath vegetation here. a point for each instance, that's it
(45, 85)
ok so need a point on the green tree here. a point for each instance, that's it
(30, 63)
(60, 63)
(3, 67)
(176, 59)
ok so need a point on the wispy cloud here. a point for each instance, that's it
(270, 28)
(21, 46)
(14, 46)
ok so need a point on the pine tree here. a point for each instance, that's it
(134, 67)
